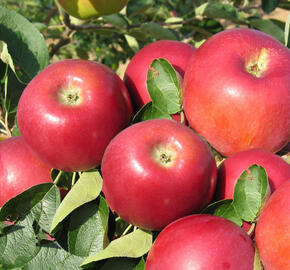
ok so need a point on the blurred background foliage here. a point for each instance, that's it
(113, 40)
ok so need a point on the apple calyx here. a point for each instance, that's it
(257, 65)
(164, 155)
(70, 96)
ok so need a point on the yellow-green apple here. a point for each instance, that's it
(20, 169)
(229, 171)
(86, 9)
(70, 111)
(204, 242)
(156, 171)
(237, 91)
(177, 53)
(272, 231)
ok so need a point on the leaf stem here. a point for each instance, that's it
(127, 229)
(56, 180)
(252, 228)
(73, 178)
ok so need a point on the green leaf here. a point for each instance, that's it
(269, 5)
(132, 42)
(140, 265)
(117, 20)
(148, 111)
(44, 211)
(132, 245)
(24, 202)
(18, 245)
(220, 11)
(25, 44)
(5, 55)
(268, 27)
(52, 256)
(163, 86)
(225, 209)
(87, 228)
(86, 189)
(157, 31)
(250, 191)
(287, 30)
(138, 7)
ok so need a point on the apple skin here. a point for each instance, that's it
(148, 192)
(20, 169)
(73, 137)
(231, 108)
(272, 230)
(229, 171)
(87, 9)
(177, 53)
(204, 242)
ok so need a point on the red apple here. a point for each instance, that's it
(176, 52)
(237, 91)
(201, 242)
(277, 169)
(273, 230)
(157, 171)
(20, 169)
(70, 111)
(86, 9)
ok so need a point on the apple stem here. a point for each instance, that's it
(257, 66)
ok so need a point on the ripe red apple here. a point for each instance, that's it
(273, 230)
(229, 171)
(157, 171)
(86, 9)
(201, 242)
(70, 111)
(237, 91)
(176, 52)
(20, 169)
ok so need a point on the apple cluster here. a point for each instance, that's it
(159, 174)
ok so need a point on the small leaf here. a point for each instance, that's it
(269, 5)
(225, 209)
(132, 42)
(250, 191)
(163, 86)
(157, 31)
(87, 229)
(116, 20)
(268, 27)
(25, 44)
(5, 56)
(221, 11)
(20, 205)
(132, 245)
(148, 111)
(138, 7)
(140, 265)
(86, 189)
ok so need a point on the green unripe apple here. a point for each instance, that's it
(86, 9)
